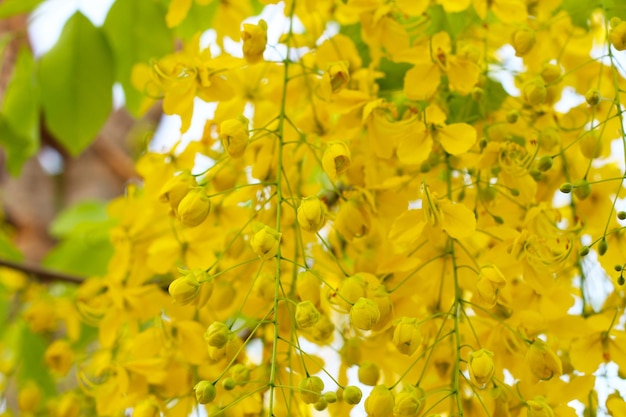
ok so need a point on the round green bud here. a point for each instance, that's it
(205, 392)
(514, 192)
(621, 280)
(369, 373)
(621, 215)
(352, 395)
(311, 389)
(544, 163)
(584, 251)
(321, 405)
(566, 188)
(229, 384)
(512, 116)
(582, 189)
(618, 268)
(603, 246)
(498, 219)
(330, 397)
(592, 97)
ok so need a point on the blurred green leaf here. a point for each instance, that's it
(137, 32)
(76, 78)
(453, 23)
(31, 366)
(8, 251)
(394, 75)
(580, 10)
(354, 33)
(10, 8)
(85, 248)
(199, 19)
(19, 117)
(72, 217)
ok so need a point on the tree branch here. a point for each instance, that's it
(42, 274)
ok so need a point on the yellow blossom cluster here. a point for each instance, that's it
(389, 205)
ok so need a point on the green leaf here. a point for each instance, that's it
(31, 365)
(19, 118)
(137, 33)
(10, 8)
(394, 74)
(85, 248)
(354, 32)
(76, 78)
(8, 251)
(72, 217)
(580, 11)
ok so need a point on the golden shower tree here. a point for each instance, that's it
(398, 208)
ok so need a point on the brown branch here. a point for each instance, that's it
(42, 274)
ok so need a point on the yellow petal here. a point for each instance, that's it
(413, 7)
(510, 11)
(452, 6)
(463, 74)
(406, 229)
(414, 149)
(458, 220)
(421, 81)
(177, 12)
(457, 138)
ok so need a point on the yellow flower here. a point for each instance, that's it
(69, 406)
(205, 392)
(380, 402)
(352, 395)
(334, 79)
(369, 373)
(542, 361)
(59, 356)
(235, 136)
(308, 287)
(176, 188)
(306, 314)
(523, 41)
(265, 242)
(407, 336)
(350, 290)
(311, 389)
(29, 397)
(194, 208)
(617, 36)
(364, 314)
(311, 214)
(186, 288)
(217, 334)
(254, 41)
(353, 220)
(538, 407)
(408, 402)
(146, 408)
(490, 282)
(481, 367)
(336, 159)
(534, 92)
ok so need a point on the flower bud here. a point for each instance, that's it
(481, 367)
(146, 408)
(523, 41)
(306, 314)
(603, 246)
(592, 97)
(59, 357)
(550, 73)
(194, 208)
(186, 288)
(205, 392)
(407, 336)
(311, 214)
(544, 163)
(380, 402)
(566, 188)
(617, 36)
(336, 159)
(254, 41)
(408, 403)
(534, 92)
(334, 80)
(351, 352)
(621, 215)
(330, 397)
(582, 189)
(265, 242)
(353, 220)
(217, 334)
(321, 405)
(538, 407)
(590, 144)
(308, 287)
(311, 389)
(364, 314)
(176, 188)
(512, 116)
(542, 361)
(229, 384)
(584, 251)
(350, 290)
(323, 330)
(235, 136)
(239, 373)
(369, 373)
(352, 395)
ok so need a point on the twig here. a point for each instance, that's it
(42, 274)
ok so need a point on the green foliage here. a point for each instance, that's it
(10, 8)
(31, 366)
(76, 78)
(19, 118)
(137, 32)
(85, 248)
